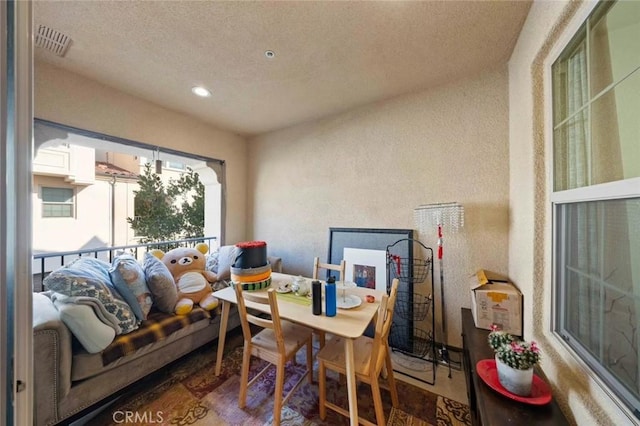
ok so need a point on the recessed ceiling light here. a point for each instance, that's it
(270, 54)
(201, 91)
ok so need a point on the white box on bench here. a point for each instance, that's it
(495, 300)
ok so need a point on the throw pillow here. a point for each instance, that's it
(212, 262)
(128, 278)
(93, 334)
(161, 284)
(226, 258)
(88, 277)
(212, 265)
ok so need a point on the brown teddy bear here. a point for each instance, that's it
(187, 265)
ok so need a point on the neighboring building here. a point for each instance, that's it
(82, 197)
(79, 202)
(84, 188)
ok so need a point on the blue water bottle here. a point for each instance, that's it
(330, 297)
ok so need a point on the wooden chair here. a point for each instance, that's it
(317, 265)
(371, 356)
(277, 343)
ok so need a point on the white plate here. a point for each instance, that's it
(349, 301)
(283, 290)
(341, 285)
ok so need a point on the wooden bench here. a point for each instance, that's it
(487, 406)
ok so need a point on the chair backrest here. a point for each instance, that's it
(247, 318)
(317, 265)
(393, 295)
(383, 325)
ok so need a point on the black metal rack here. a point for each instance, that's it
(413, 328)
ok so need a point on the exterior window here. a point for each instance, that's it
(596, 196)
(57, 202)
(174, 165)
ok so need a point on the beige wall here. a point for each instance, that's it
(71, 99)
(125, 161)
(91, 226)
(370, 167)
(124, 208)
(529, 240)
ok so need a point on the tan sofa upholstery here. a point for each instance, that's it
(69, 380)
(57, 359)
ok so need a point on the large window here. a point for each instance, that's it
(596, 196)
(57, 202)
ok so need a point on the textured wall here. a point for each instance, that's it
(369, 168)
(89, 228)
(71, 99)
(583, 400)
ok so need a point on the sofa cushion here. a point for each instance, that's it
(93, 334)
(128, 278)
(161, 284)
(87, 281)
(158, 330)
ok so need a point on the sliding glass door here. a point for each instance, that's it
(16, 117)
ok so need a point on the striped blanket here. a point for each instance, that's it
(157, 326)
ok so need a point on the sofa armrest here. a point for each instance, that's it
(52, 354)
(276, 263)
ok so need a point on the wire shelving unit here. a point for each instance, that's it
(413, 327)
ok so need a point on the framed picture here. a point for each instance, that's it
(370, 239)
(366, 268)
(399, 244)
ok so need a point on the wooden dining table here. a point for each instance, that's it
(348, 323)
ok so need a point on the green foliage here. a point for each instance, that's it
(168, 213)
(513, 352)
(519, 355)
(499, 338)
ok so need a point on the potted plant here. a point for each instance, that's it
(515, 360)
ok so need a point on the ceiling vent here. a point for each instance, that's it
(52, 40)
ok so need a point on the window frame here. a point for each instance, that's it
(616, 190)
(44, 203)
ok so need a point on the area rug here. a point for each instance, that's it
(187, 392)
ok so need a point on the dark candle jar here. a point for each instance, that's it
(316, 297)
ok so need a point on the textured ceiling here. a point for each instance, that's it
(330, 56)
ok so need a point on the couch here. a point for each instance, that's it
(69, 380)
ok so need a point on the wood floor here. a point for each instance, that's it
(454, 387)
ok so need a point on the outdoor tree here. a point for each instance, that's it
(171, 212)
(190, 191)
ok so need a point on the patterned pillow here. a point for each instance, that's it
(212, 265)
(128, 278)
(89, 278)
(226, 258)
(161, 283)
(212, 262)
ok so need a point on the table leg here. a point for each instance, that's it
(222, 334)
(351, 381)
